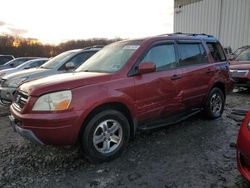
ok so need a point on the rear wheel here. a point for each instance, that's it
(105, 136)
(215, 104)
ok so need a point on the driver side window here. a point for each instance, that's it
(162, 55)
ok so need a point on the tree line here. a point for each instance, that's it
(23, 47)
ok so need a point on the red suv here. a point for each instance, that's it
(126, 86)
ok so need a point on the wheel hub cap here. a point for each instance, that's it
(107, 136)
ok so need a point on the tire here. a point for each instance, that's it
(5, 103)
(105, 136)
(214, 106)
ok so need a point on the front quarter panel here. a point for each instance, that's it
(87, 98)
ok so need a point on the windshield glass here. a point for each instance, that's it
(244, 56)
(111, 58)
(15, 62)
(54, 62)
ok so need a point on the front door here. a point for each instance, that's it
(157, 94)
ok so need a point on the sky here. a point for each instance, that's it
(55, 21)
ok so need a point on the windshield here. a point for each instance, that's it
(54, 62)
(244, 56)
(111, 58)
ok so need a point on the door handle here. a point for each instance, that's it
(176, 77)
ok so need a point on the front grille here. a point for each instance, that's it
(20, 100)
(238, 73)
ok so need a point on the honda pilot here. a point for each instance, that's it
(127, 86)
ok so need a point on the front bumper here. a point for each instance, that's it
(52, 128)
(7, 93)
(28, 134)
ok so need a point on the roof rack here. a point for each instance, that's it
(191, 34)
(96, 46)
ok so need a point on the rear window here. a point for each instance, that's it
(4, 59)
(191, 54)
(216, 51)
(244, 55)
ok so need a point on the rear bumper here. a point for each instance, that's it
(47, 128)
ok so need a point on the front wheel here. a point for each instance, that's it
(105, 136)
(215, 104)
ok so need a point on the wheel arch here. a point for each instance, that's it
(119, 106)
(221, 86)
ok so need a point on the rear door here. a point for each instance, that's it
(193, 63)
(157, 94)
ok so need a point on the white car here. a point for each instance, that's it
(27, 65)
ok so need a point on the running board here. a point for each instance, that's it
(163, 123)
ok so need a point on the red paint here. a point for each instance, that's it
(243, 148)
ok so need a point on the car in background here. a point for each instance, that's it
(16, 62)
(240, 68)
(243, 148)
(5, 58)
(126, 86)
(64, 62)
(239, 50)
(26, 65)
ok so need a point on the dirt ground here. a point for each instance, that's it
(195, 153)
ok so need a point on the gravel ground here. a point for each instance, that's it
(195, 153)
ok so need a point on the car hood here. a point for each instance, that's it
(64, 81)
(26, 73)
(240, 65)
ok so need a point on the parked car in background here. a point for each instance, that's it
(243, 148)
(239, 50)
(126, 86)
(26, 65)
(64, 62)
(240, 68)
(16, 62)
(5, 58)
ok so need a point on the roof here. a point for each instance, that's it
(179, 36)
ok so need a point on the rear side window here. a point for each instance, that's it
(216, 51)
(163, 56)
(191, 54)
(244, 55)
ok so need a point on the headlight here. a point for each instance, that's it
(16, 82)
(53, 101)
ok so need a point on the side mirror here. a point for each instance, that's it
(146, 67)
(12, 65)
(70, 66)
